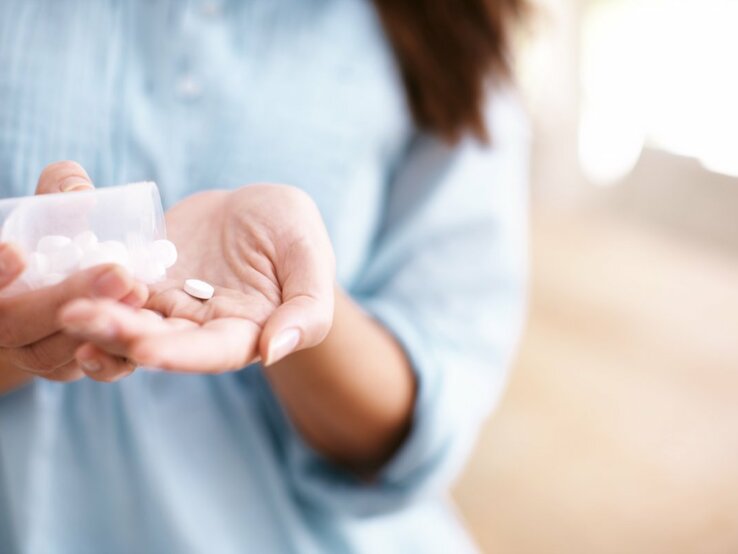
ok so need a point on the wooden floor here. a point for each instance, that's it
(619, 431)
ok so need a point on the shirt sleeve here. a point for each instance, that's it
(447, 277)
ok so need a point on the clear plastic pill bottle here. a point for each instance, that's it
(67, 232)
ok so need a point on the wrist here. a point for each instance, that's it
(351, 397)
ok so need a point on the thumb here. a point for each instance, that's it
(308, 295)
(300, 322)
(63, 176)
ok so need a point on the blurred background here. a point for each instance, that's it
(619, 429)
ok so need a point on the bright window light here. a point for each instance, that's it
(658, 73)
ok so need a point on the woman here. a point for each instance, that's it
(375, 298)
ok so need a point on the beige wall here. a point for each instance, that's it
(619, 431)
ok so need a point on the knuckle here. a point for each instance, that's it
(64, 374)
(40, 358)
(62, 166)
(298, 197)
(290, 197)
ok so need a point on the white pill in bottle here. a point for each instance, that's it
(51, 279)
(86, 240)
(39, 263)
(66, 259)
(52, 243)
(165, 252)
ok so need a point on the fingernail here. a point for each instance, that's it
(109, 284)
(90, 366)
(74, 183)
(282, 345)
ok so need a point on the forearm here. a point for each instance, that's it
(352, 396)
(11, 378)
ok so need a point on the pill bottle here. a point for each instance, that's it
(62, 233)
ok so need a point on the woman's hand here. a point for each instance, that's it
(31, 339)
(349, 389)
(267, 252)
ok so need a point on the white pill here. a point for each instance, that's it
(66, 259)
(95, 257)
(86, 240)
(38, 263)
(165, 252)
(199, 289)
(51, 279)
(108, 252)
(92, 258)
(38, 266)
(52, 243)
(149, 271)
(144, 265)
(117, 249)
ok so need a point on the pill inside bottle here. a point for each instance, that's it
(61, 234)
(58, 255)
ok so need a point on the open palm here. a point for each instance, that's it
(266, 251)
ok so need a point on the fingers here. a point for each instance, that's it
(114, 327)
(171, 343)
(118, 329)
(306, 313)
(12, 264)
(31, 316)
(28, 323)
(101, 366)
(63, 176)
(298, 323)
(47, 355)
(220, 345)
(137, 297)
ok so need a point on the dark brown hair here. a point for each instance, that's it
(446, 52)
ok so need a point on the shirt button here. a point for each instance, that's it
(188, 87)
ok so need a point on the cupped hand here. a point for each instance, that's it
(266, 250)
(31, 335)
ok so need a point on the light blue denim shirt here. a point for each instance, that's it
(430, 239)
